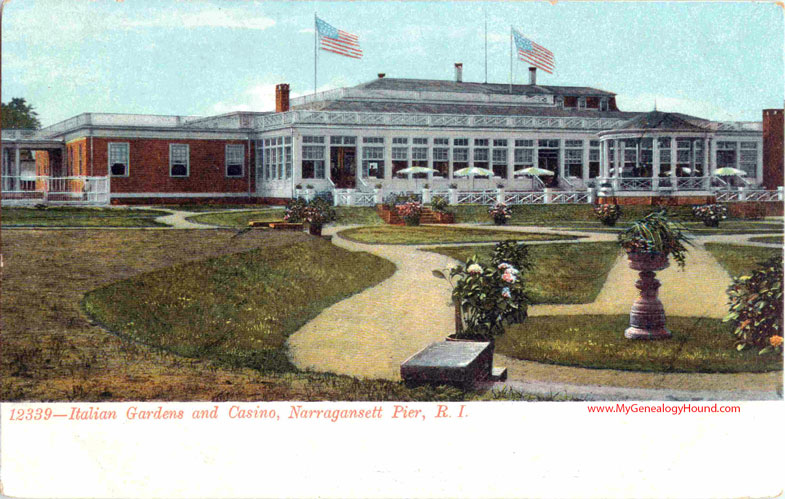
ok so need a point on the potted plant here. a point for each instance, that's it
(500, 213)
(295, 211)
(710, 214)
(317, 213)
(410, 212)
(486, 297)
(649, 243)
(608, 213)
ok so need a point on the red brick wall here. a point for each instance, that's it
(773, 120)
(149, 167)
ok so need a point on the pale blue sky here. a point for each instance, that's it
(717, 61)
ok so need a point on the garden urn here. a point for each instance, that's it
(315, 229)
(647, 315)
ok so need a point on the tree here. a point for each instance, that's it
(19, 114)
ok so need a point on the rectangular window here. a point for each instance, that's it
(118, 159)
(499, 142)
(549, 143)
(373, 140)
(313, 162)
(570, 101)
(441, 160)
(594, 160)
(420, 141)
(480, 142)
(343, 140)
(573, 162)
(481, 155)
(235, 160)
(574, 144)
(400, 140)
(400, 159)
(441, 142)
(524, 143)
(748, 158)
(288, 161)
(499, 157)
(310, 139)
(460, 154)
(524, 157)
(373, 162)
(179, 160)
(460, 142)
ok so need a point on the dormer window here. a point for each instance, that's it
(560, 101)
(570, 101)
(582, 103)
(603, 104)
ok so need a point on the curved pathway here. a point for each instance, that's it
(371, 333)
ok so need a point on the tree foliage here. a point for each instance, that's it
(19, 114)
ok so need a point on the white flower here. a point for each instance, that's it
(474, 269)
(506, 293)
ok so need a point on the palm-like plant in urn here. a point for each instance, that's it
(648, 243)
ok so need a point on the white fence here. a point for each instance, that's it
(25, 190)
(749, 195)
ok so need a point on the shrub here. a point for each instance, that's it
(318, 212)
(756, 308)
(500, 213)
(410, 211)
(439, 204)
(608, 213)
(295, 210)
(654, 233)
(710, 214)
(394, 199)
(513, 253)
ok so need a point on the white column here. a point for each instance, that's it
(561, 158)
(655, 163)
(388, 159)
(712, 156)
(430, 161)
(585, 161)
(759, 163)
(449, 160)
(738, 155)
(17, 169)
(706, 157)
(693, 151)
(618, 153)
(510, 161)
(674, 160)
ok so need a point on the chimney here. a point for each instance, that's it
(281, 97)
(532, 75)
(381, 75)
(458, 71)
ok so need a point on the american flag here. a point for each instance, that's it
(337, 41)
(533, 53)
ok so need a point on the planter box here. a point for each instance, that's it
(457, 363)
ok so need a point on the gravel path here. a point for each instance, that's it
(371, 333)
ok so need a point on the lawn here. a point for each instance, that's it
(597, 341)
(238, 309)
(555, 214)
(345, 215)
(398, 234)
(53, 352)
(562, 273)
(79, 217)
(740, 260)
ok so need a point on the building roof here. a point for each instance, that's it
(416, 85)
(463, 109)
(658, 120)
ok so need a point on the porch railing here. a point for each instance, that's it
(45, 189)
(477, 197)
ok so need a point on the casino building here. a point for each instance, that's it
(352, 142)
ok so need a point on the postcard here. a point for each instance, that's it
(391, 249)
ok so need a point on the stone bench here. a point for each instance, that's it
(456, 363)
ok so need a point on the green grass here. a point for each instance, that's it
(79, 217)
(767, 239)
(208, 207)
(345, 215)
(562, 273)
(554, 214)
(597, 341)
(238, 219)
(237, 309)
(741, 260)
(397, 234)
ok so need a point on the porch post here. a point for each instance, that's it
(585, 161)
(713, 156)
(655, 163)
(561, 159)
(17, 171)
(706, 174)
(618, 153)
(674, 163)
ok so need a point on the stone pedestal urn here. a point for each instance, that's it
(647, 315)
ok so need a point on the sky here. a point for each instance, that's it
(720, 61)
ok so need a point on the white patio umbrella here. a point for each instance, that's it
(728, 171)
(534, 171)
(415, 170)
(472, 172)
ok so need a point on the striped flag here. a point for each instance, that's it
(533, 53)
(337, 41)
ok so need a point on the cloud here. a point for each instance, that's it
(215, 18)
(307, 30)
(700, 109)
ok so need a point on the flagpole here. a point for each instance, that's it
(510, 59)
(315, 51)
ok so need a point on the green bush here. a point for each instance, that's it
(295, 210)
(439, 204)
(756, 308)
(513, 253)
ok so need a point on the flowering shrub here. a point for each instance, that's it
(393, 199)
(486, 297)
(318, 212)
(756, 308)
(608, 213)
(654, 233)
(500, 213)
(710, 214)
(410, 211)
(513, 253)
(295, 211)
(439, 204)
